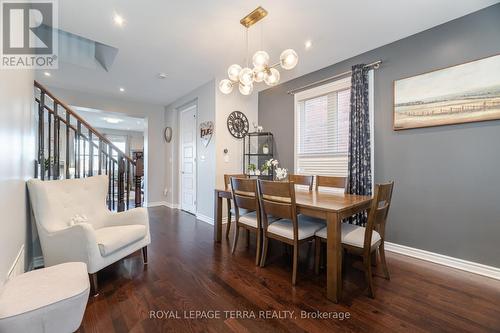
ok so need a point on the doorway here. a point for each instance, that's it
(188, 158)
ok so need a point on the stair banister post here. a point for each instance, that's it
(121, 180)
(139, 172)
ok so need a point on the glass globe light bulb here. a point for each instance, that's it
(225, 86)
(258, 74)
(246, 89)
(260, 59)
(272, 77)
(289, 59)
(233, 71)
(246, 76)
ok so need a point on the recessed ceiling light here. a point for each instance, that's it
(162, 75)
(122, 89)
(308, 44)
(112, 120)
(47, 74)
(118, 19)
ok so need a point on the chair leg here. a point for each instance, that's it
(228, 228)
(317, 254)
(259, 246)
(248, 238)
(145, 255)
(94, 288)
(374, 258)
(381, 252)
(264, 251)
(368, 274)
(295, 263)
(236, 234)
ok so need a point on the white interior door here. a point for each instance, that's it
(188, 159)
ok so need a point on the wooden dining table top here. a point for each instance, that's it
(328, 201)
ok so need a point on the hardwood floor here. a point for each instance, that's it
(188, 272)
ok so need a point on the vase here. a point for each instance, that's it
(265, 150)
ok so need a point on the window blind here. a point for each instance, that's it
(322, 130)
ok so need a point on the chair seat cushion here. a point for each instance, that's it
(251, 219)
(51, 299)
(112, 239)
(284, 227)
(353, 235)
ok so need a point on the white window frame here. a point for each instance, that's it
(324, 89)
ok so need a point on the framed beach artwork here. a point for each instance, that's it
(463, 93)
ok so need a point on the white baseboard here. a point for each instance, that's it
(464, 265)
(162, 203)
(17, 267)
(205, 218)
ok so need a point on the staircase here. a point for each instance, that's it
(69, 147)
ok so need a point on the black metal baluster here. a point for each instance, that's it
(49, 145)
(41, 136)
(99, 157)
(67, 144)
(78, 152)
(56, 142)
(128, 184)
(91, 155)
(109, 177)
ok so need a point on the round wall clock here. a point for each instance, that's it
(237, 124)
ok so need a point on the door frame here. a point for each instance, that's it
(184, 108)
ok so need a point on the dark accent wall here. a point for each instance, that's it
(447, 179)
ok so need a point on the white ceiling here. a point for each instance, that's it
(195, 41)
(110, 120)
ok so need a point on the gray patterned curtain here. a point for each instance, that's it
(359, 178)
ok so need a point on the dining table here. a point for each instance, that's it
(331, 206)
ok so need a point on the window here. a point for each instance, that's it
(322, 129)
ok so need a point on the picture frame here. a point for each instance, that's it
(457, 94)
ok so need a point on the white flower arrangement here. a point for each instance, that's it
(281, 173)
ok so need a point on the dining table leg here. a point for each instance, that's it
(334, 258)
(218, 218)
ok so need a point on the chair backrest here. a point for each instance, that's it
(278, 199)
(302, 180)
(329, 181)
(245, 196)
(227, 179)
(56, 202)
(379, 210)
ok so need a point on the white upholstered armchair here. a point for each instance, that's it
(74, 224)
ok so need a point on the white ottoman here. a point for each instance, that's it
(51, 299)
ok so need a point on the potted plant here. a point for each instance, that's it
(265, 148)
(281, 174)
(251, 169)
(268, 166)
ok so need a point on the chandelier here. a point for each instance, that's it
(262, 71)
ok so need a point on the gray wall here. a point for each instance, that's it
(204, 97)
(447, 179)
(17, 142)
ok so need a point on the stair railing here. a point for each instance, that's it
(69, 147)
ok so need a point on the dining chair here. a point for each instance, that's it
(302, 180)
(365, 241)
(245, 197)
(277, 199)
(329, 181)
(227, 187)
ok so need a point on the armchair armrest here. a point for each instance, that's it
(74, 243)
(129, 217)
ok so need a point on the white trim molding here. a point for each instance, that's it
(205, 218)
(162, 203)
(464, 265)
(17, 267)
